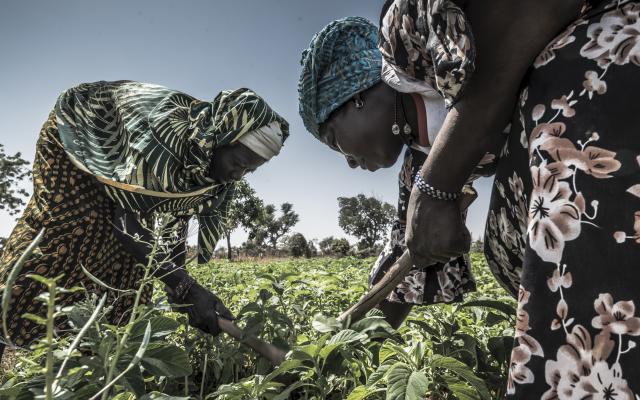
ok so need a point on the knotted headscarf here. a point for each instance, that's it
(342, 60)
(152, 147)
(153, 137)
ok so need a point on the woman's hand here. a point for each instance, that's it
(202, 307)
(435, 229)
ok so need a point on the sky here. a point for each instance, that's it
(199, 48)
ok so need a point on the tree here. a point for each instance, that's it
(13, 169)
(366, 218)
(477, 246)
(298, 246)
(335, 247)
(340, 247)
(313, 250)
(325, 245)
(271, 227)
(246, 210)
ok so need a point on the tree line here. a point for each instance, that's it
(270, 228)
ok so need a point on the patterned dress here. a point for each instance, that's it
(139, 147)
(76, 213)
(565, 210)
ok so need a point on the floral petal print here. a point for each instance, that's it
(553, 218)
(615, 38)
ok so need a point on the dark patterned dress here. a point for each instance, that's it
(76, 213)
(428, 284)
(565, 209)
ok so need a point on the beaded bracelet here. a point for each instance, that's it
(433, 192)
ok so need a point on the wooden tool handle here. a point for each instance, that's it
(394, 276)
(267, 350)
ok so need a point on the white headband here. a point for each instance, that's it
(265, 141)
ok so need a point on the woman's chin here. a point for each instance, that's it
(388, 162)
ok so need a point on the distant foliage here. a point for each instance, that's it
(274, 227)
(334, 247)
(13, 169)
(246, 211)
(366, 218)
(297, 246)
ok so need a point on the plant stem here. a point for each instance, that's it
(51, 308)
(132, 319)
(204, 372)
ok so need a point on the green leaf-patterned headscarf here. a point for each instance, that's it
(152, 147)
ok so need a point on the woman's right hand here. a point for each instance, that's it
(203, 308)
(435, 229)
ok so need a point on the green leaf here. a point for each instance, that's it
(35, 318)
(378, 374)
(406, 384)
(462, 390)
(324, 324)
(286, 394)
(463, 371)
(347, 336)
(500, 348)
(370, 324)
(417, 386)
(493, 319)
(161, 396)
(503, 307)
(326, 351)
(283, 368)
(362, 392)
(13, 275)
(166, 360)
(161, 326)
(425, 327)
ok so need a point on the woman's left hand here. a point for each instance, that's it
(436, 231)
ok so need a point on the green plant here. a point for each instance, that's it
(442, 352)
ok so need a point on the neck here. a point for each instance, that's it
(410, 113)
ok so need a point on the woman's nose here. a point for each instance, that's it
(352, 162)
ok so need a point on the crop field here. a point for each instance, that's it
(458, 351)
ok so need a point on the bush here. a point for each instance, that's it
(297, 246)
(340, 247)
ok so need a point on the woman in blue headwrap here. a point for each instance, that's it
(564, 226)
(111, 161)
(358, 104)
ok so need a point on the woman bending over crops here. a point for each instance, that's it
(358, 103)
(563, 227)
(110, 160)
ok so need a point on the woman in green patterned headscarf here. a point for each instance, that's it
(119, 154)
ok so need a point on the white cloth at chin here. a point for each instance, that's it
(433, 102)
(265, 141)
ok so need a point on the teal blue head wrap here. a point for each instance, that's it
(342, 60)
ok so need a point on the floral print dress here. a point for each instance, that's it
(564, 221)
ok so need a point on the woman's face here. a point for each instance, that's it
(364, 134)
(231, 163)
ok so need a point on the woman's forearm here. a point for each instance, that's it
(509, 35)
